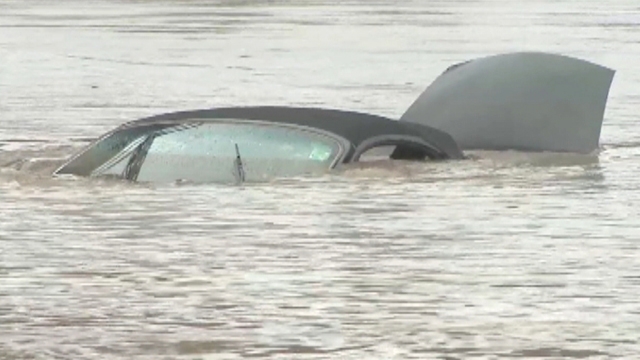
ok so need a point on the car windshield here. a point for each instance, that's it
(225, 152)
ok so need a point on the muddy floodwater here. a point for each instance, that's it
(503, 256)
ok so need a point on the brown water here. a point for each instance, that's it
(506, 256)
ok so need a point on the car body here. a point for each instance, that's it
(251, 144)
(518, 101)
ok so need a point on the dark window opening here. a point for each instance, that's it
(377, 153)
(409, 152)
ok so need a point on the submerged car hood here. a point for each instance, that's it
(527, 101)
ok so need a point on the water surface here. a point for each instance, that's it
(505, 256)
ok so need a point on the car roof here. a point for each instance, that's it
(354, 126)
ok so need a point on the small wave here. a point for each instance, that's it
(622, 145)
(31, 161)
(533, 159)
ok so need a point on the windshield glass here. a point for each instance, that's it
(231, 152)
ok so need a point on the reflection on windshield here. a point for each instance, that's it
(210, 152)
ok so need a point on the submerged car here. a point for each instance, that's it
(251, 144)
(518, 101)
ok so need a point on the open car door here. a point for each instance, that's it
(525, 101)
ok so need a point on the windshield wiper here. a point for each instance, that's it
(239, 170)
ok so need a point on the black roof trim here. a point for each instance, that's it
(354, 126)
